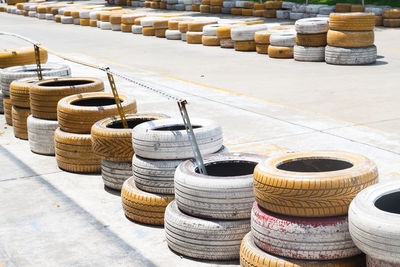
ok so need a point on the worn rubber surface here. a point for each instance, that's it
(312, 25)
(352, 21)
(245, 45)
(19, 116)
(280, 51)
(350, 38)
(309, 53)
(7, 110)
(350, 55)
(114, 174)
(20, 56)
(262, 48)
(316, 184)
(19, 92)
(203, 239)
(315, 40)
(371, 262)
(142, 206)
(41, 135)
(253, 256)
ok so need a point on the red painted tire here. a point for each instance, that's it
(302, 238)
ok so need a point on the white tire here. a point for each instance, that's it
(32, 14)
(183, 36)
(104, 25)
(77, 21)
(173, 35)
(371, 262)
(374, 221)
(302, 238)
(168, 139)
(326, 10)
(114, 174)
(284, 38)
(283, 14)
(84, 14)
(228, 4)
(67, 20)
(211, 30)
(93, 14)
(240, 4)
(19, 12)
(296, 15)
(246, 32)
(41, 135)
(49, 16)
(180, 7)
(309, 54)
(41, 15)
(188, 2)
(203, 239)
(136, 29)
(115, 27)
(98, 23)
(148, 21)
(322, 16)
(227, 43)
(226, 10)
(314, 9)
(226, 192)
(298, 8)
(350, 56)
(312, 25)
(287, 5)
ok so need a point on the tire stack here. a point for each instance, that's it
(216, 6)
(270, 8)
(160, 27)
(147, 25)
(262, 39)
(113, 144)
(311, 39)
(173, 32)
(196, 5)
(205, 6)
(160, 146)
(128, 20)
(137, 28)
(227, 7)
(211, 213)
(302, 201)
(391, 18)
(76, 115)
(194, 34)
(10, 74)
(243, 36)
(351, 39)
(374, 220)
(209, 37)
(282, 44)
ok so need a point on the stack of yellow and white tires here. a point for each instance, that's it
(351, 39)
(391, 18)
(262, 38)
(194, 35)
(173, 32)
(374, 222)
(128, 21)
(271, 8)
(243, 36)
(300, 214)
(205, 6)
(76, 115)
(147, 25)
(113, 144)
(282, 44)
(209, 37)
(311, 39)
(160, 27)
(160, 146)
(211, 213)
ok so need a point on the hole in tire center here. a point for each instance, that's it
(314, 165)
(95, 101)
(178, 127)
(132, 123)
(65, 83)
(389, 203)
(229, 168)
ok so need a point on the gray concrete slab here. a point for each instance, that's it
(49, 217)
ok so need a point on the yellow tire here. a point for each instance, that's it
(236, 11)
(215, 9)
(155, 5)
(312, 184)
(74, 152)
(196, 8)
(224, 32)
(160, 24)
(42, 9)
(258, 13)
(19, 92)
(160, 33)
(262, 37)
(245, 46)
(57, 18)
(84, 22)
(378, 20)
(19, 117)
(77, 113)
(148, 31)
(147, 4)
(350, 38)
(194, 37)
(247, 12)
(318, 39)
(7, 105)
(391, 13)
(269, 13)
(198, 26)
(93, 23)
(258, 6)
(204, 9)
(273, 5)
(352, 21)
(45, 94)
(143, 207)
(280, 52)
(183, 26)
(105, 17)
(163, 5)
(20, 56)
(116, 18)
(357, 8)
(205, 2)
(67, 13)
(138, 21)
(216, 2)
(342, 8)
(253, 256)
(130, 18)
(210, 41)
(262, 48)
(393, 23)
(126, 27)
(248, 5)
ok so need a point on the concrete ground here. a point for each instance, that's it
(49, 217)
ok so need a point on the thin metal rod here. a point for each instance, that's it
(192, 137)
(39, 67)
(117, 100)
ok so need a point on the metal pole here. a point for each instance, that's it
(192, 137)
(117, 99)
(39, 67)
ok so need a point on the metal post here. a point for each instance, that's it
(117, 100)
(39, 67)
(192, 137)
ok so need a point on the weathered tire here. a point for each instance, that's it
(113, 142)
(210, 41)
(315, 40)
(20, 56)
(245, 45)
(394, 23)
(203, 239)
(19, 92)
(41, 135)
(262, 48)
(115, 27)
(105, 25)
(309, 54)
(148, 31)
(142, 206)
(167, 139)
(374, 221)
(173, 35)
(227, 43)
(302, 238)
(252, 256)
(66, 20)
(391, 13)
(350, 38)
(77, 113)
(45, 94)
(312, 25)
(371, 262)
(280, 51)
(19, 116)
(246, 32)
(350, 56)
(226, 192)
(136, 29)
(74, 152)
(15, 73)
(285, 39)
(194, 37)
(114, 174)
(352, 21)
(7, 105)
(312, 184)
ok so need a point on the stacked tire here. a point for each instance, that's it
(271, 7)
(243, 36)
(301, 203)
(173, 32)
(160, 146)
(211, 213)
(391, 18)
(76, 115)
(374, 220)
(311, 39)
(194, 34)
(128, 20)
(262, 39)
(351, 39)
(282, 44)
(113, 144)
